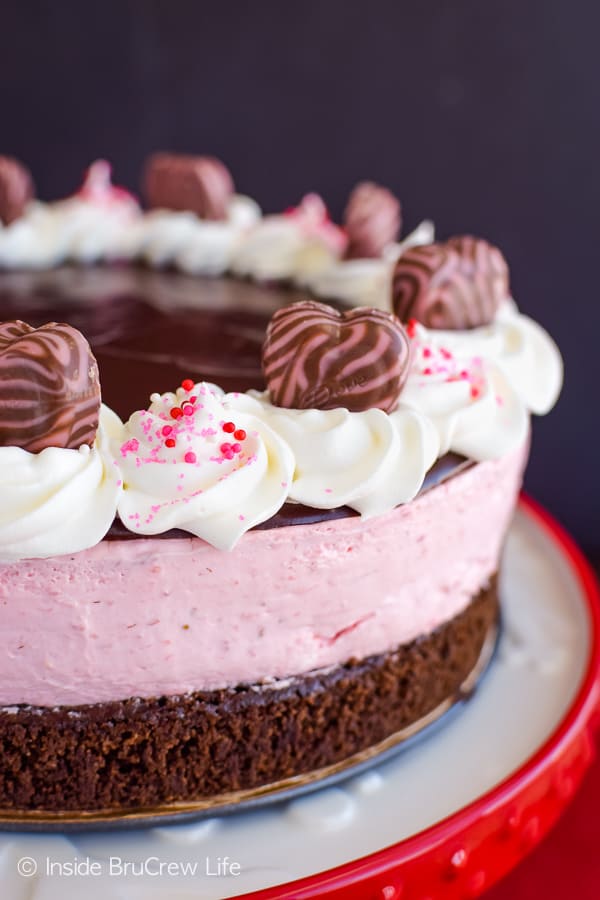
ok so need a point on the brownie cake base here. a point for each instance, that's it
(143, 753)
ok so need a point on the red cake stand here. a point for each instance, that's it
(463, 855)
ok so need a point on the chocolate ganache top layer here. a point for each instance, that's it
(151, 329)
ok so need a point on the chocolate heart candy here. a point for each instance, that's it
(372, 221)
(16, 189)
(456, 285)
(199, 184)
(317, 357)
(49, 387)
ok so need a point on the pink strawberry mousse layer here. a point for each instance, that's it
(142, 618)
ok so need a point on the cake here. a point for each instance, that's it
(254, 484)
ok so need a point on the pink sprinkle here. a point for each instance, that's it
(130, 446)
(445, 353)
(426, 352)
(236, 448)
(188, 410)
(427, 371)
(475, 393)
(119, 482)
(190, 457)
(229, 455)
(241, 517)
(225, 448)
(166, 430)
(328, 490)
(464, 374)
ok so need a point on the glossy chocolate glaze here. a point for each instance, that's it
(151, 329)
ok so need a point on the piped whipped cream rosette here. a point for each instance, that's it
(367, 281)
(369, 461)
(521, 348)
(334, 380)
(468, 398)
(94, 224)
(58, 484)
(294, 246)
(190, 461)
(60, 500)
(200, 247)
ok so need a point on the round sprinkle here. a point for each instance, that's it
(176, 413)
(236, 448)
(170, 442)
(228, 454)
(240, 434)
(166, 430)
(190, 457)
(187, 384)
(225, 448)
(188, 409)
(229, 427)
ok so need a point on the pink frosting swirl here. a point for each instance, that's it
(317, 357)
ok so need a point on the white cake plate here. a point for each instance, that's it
(446, 817)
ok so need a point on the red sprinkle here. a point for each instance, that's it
(411, 327)
(240, 434)
(187, 384)
(474, 393)
(176, 413)
(193, 399)
(229, 427)
(190, 457)
(167, 429)
(236, 448)
(170, 442)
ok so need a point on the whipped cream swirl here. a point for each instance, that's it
(368, 460)
(195, 462)
(90, 226)
(104, 222)
(196, 246)
(521, 348)
(293, 246)
(468, 398)
(58, 501)
(366, 282)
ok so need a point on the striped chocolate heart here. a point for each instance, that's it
(49, 387)
(456, 285)
(16, 189)
(372, 221)
(199, 184)
(317, 357)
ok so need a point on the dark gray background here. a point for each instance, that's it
(482, 114)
